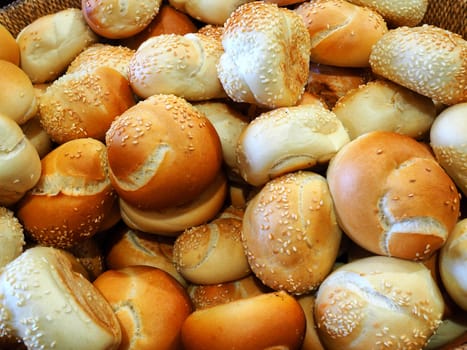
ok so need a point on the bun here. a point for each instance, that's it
(75, 183)
(378, 300)
(342, 34)
(381, 105)
(38, 137)
(194, 77)
(266, 55)
(304, 136)
(11, 236)
(214, 31)
(311, 341)
(89, 254)
(45, 51)
(443, 51)
(449, 143)
(276, 319)
(282, 232)
(49, 305)
(176, 153)
(150, 305)
(389, 178)
(10, 48)
(114, 19)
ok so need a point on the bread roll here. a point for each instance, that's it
(114, 19)
(150, 306)
(266, 321)
(20, 165)
(427, 59)
(10, 48)
(448, 139)
(84, 104)
(11, 236)
(378, 301)
(175, 151)
(311, 341)
(183, 65)
(90, 255)
(381, 105)
(290, 233)
(285, 2)
(48, 44)
(38, 137)
(72, 197)
(303, 135)
(342, 34)
(214, 31)
(391, 195)
(266, 55)
(48, 305)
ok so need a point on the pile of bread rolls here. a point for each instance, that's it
(233, 175)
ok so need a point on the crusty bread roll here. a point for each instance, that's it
(84, 104)
(194, 74)
(427, 59)
(72, 197)
(266, 55)
(311, 341)
(11, 236)
(391, 195)
(378, 301)
(18, 99)
(283, 230)
(48, 44)
(287, 139)
(49, 305)
(214, 31)
(448, 139)
(114, 19)
(385, 106)
(150, 305)
(36, 134)
(174, 149)
(20, 165)
(342, 34)
(10, 48)
(267, 321)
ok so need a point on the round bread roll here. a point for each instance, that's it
(290, 233)
(150, 305)
(48, 44)
(381, 105)
(342, 34)
(18, 99)
(72, 197)
(303, 135)
(49, 305)
(132, 247)
(20, 165)
(84, 104)
(36, 134)
(267, 321)
(311, 341)
(266, 55)
(114, 19)
(211, 253)
(448, 139)
(11, 236)
(174, 149)
(10, 48)
(378, 302)
(391, 195)
(194, 74)
(427, 59)
(214, 31)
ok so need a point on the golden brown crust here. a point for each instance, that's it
(10, 48)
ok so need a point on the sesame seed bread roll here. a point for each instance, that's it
(426, 59)
(150, 305)
(10, 48)
(174, 149)
(381, 184)
(214, 31)
(266, 55)
(381, 105)
(11, 236)
(304, 136)
(378, 302)
(49, 305)
(48, 44)
(72, 197)
(342, 34)
(114, 19)
(194, 74)
(20, 165)
(448, 139)
(84, 104)
(290, 234)
(90, 255)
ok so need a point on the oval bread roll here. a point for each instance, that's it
(11, 236)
